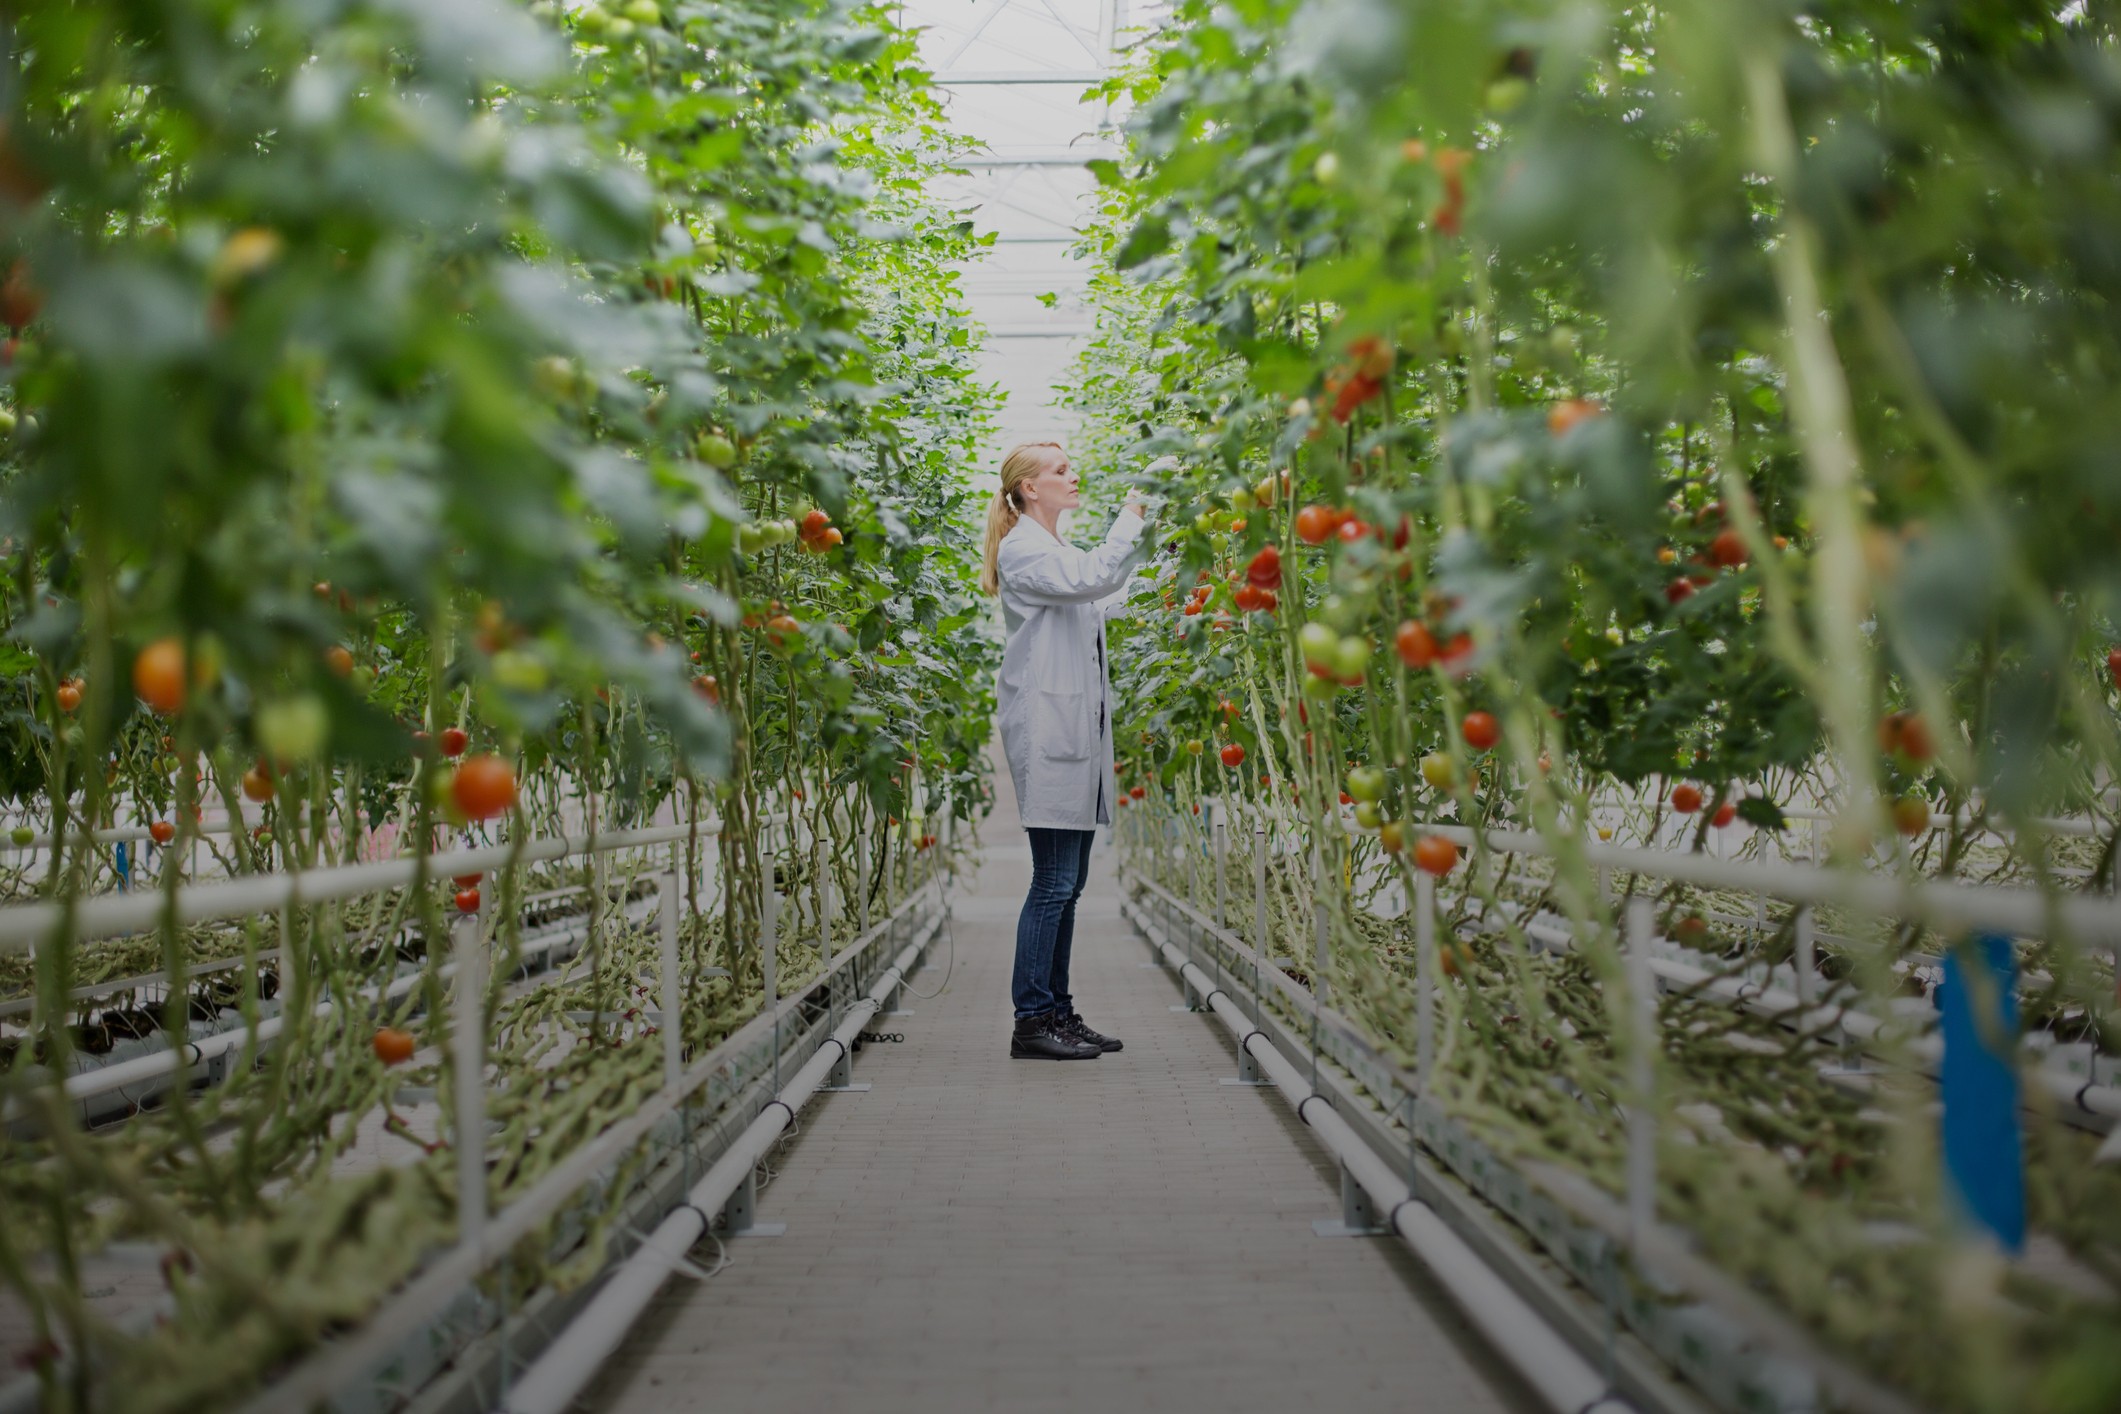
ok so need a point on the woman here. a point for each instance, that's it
(1055, 712)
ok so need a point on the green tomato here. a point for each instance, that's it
(1326, 170)
(520, 671)
(1318, 644)
(362, 680)
(1438, 770)
(593, 20)
(7, 422)
(553, 375)
(750, 539)
(1367, 783)
(1507, 95)
(1196, 746)
(647, 12)
(23, 835)
(293, 729)
(1346, 612)
(715, 450)
(1368, 815)
(1319, 689)
(620, 30)
(1242, 500)
(1351, 656)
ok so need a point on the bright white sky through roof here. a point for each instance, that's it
(1012, 73)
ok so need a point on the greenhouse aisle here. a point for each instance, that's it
(1124, 1233)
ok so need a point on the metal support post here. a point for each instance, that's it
(1804, 962)
(1261, 941)
(467, 1040)
(1642, 1073)
(1219, 829)
(861, 874)
(740, 1212)
(673, 1019)
(768, 960)
(1424, 973)
(1358, 1215)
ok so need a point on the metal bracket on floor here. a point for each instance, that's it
(840, 1079)
(1247, 1071)
(1193, 1002)
(740, 1213)
(1358, 1215)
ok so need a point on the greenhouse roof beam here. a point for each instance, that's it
(979, 77)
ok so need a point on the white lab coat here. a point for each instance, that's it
(1054, 698)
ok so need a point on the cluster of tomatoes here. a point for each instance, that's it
(1355, 382)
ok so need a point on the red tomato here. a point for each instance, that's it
(467, 900)
(1248, 597)
(1314, 524)
(815, 523)
(1686, 799)
(69, 696)
(161, 832)
(1906, 734)
(158, 676)
(1265, 569)
(1232, 755)
(392, 1046)
(706, 686)
(1679, 591)
(1481, 730)
(1415, 644)
(1353, 528)
(1435, 854)
(467, 881)
(483, 787)
(2113, 665)
(1727, 550)
(257, 783)
(1453, 655)
(1563, 416)
(1138, 792)
(1725, 813)
(454, 740)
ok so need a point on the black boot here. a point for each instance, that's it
(1075, 1026)
(1041, 1038)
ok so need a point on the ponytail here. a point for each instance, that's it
(1023, 461)
(1002, 517)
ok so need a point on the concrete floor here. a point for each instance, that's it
(980, 1233)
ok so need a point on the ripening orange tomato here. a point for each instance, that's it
(392, 1046)
(158, 676)
(1435, 854)
(483, 787)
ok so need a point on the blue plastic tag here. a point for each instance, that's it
(1984, 1161)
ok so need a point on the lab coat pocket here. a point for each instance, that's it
(1060, 725)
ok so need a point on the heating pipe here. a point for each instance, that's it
(551, 1385)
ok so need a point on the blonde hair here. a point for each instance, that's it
(1024, 461)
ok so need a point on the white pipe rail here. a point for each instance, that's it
(86, 1084)
(1658, 1244)
(24, 925)
(416, 1305)
(1941, 904)
(551, 1385)
(1564, 1380)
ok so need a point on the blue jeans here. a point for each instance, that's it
(1045, 931)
